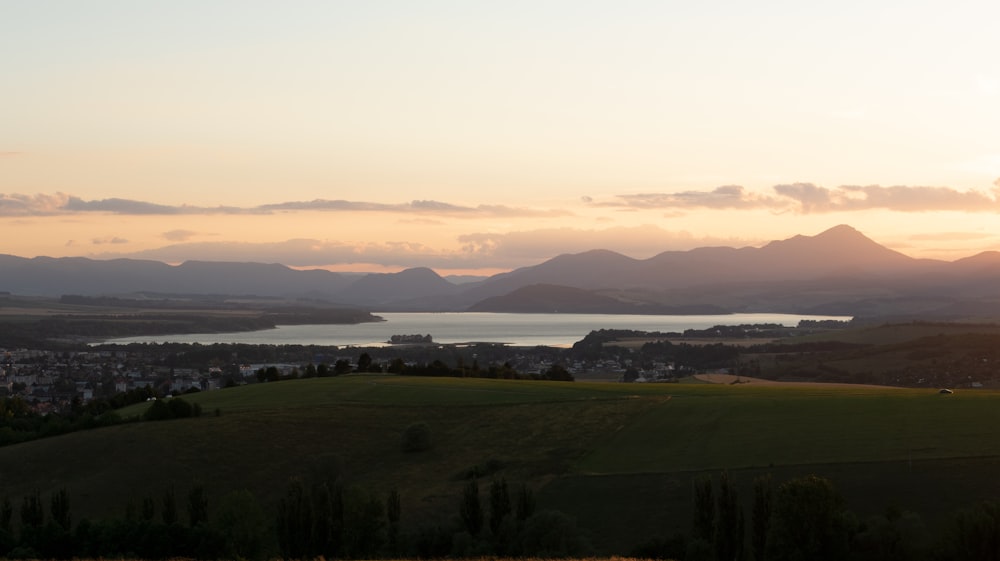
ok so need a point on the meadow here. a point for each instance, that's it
(620, 458)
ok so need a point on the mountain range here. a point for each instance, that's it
(839, 271)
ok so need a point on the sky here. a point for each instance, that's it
(477, 137)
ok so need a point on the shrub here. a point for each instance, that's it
(416, 437)
(551, 533)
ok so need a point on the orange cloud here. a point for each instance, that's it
(808, 198)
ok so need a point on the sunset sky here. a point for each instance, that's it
(481, 136)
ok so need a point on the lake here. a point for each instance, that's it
(554, 330)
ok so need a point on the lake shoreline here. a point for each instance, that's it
(451, 328)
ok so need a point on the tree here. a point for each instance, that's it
(728, 542)
(6, 514)
(499, 504)
(392, 515)
(310, 371)
(364, 362)
(761, 515)
(699, 548)
(364, 524)
(974, 534)
(158, 411)
(808, 521)
(551, 533)
(169, 510)
(525, 503)
(179, 409)
(558, 372)
(32, 521)
(59, 507)
(32, 512)
(6, 532)
(242, 525)
(704, 510)
(197, 506)
(897, 535)
(294, 521)
(416, 438)
(148, 509)
(327, 519)
(471, 510)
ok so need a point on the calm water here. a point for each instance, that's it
(555, 330)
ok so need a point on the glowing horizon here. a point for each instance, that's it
(481, 137)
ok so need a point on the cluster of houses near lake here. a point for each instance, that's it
(50, 380)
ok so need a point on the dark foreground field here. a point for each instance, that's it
(618, 458)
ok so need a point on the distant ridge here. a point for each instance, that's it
(838, 271)
(835, 252)
(47, 276)
(384, 288)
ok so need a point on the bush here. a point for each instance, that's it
(416, 438)
(175, 408)
(551, 533)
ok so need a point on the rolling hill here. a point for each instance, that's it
(620, 458)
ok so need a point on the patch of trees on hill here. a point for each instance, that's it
(19, 423)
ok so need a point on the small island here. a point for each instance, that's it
(410, 340)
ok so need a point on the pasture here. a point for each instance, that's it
(618, 457)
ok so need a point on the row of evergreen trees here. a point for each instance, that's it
(323, 519)
(807, 519)
(140, 533)
(330, 521)
(803, 518)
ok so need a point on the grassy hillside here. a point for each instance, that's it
(618, 457)
(919, 354)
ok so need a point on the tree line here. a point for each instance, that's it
(433, 368)
(20, 423)
(802, 518)
(311, 520)
(806, 518)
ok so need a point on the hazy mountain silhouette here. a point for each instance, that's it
(839, 271)
(379, 289)
(47, 276)
(839, 251)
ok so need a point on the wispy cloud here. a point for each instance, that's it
(14, 204)
(117, 206)
(725, 197)
(8, 154)
(60, 203)
(811, 198)
(179, 235)
(808, 198)
(115, 240)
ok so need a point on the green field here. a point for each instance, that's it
(620, 458)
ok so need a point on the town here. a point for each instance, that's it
(58, 379)
(52, 380)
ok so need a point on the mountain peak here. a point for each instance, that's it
(842, 232)
(839, 247)
(839, 230)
